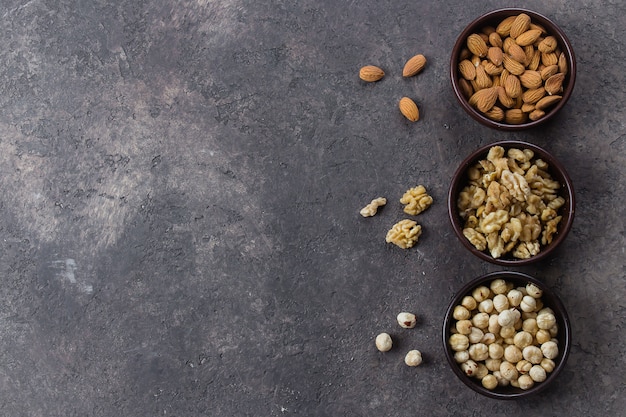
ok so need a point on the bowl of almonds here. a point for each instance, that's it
(506, 335)
(512, 69)
(511, 203)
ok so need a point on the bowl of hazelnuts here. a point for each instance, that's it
(512, 69)
(506, 335)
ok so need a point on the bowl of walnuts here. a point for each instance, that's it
(506, 335)
(512, 69)
(511, 203)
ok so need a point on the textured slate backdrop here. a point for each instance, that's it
(179, 222)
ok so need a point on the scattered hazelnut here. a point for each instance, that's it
(413, 358)
(407, 320)
(383, 342)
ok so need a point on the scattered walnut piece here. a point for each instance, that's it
(372, 208)
(416, 200)
(404, 234)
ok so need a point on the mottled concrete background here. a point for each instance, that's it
(179, 222)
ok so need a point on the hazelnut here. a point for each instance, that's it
(532, 354)
(413, 358)
(461, 312)
(489, 381)
(407, 320)
(533, 290)
(469, 367)
(537, 373)
(461, 356)
(481, 293)
(498, 286)
(383, 342)
(549, 349)
(514, 297)
(458, 342)
(479, 352)
(525, 382)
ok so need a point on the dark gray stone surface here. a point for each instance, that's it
(179, 222)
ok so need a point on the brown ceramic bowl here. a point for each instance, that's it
(493, 19)
(557, 172)
(549, 299)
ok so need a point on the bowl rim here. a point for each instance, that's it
(564, 42)
(556, 167)
(565, 334)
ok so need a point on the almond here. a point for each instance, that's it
(538, 27)
(549, 58)
(506, 44)
(536, 114)
(548, 44)
(506, 100)
(531, 79)
(495, 55)
(467, 70)
(515, 116)
(554, 84)
(513, 86)
(484, 99)
(528, 38)
(495, 114)
(562, 63)
(528, 107)
(549, 71)
(520, 25)
(534, 62)
(476, 44)
(466, 88)
(495, 39)
(534, 95)
(513, 66)
(547, 101)
(414, 65)
(483, 80)
(371, 73)
(504, 28)
(409, 109)
(517, 53)
(491, 68)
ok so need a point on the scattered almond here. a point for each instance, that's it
(371, 73)
(409, 109)
(414, 65)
